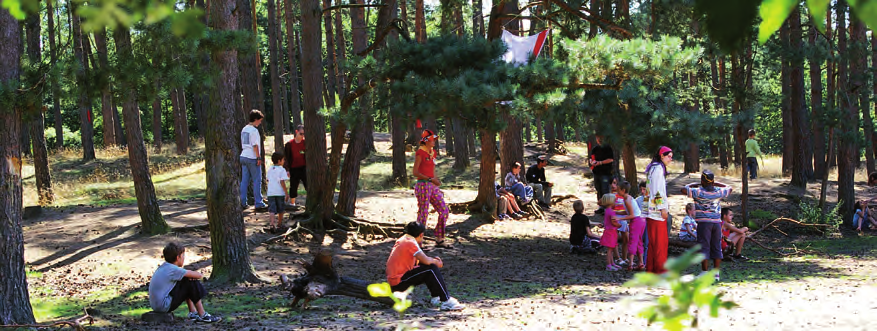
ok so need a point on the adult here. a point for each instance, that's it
(402, 273)
(658, 210)
(601, 165)
(427, 187)
(251, 160)
(294, 162)
(541, 187)
(752, 154)
(707, 204)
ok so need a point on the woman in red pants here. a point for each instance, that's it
(657, 212)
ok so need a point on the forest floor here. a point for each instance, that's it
(511, 274)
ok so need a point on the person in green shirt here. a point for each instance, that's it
(752, 154)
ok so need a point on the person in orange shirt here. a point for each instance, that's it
(402, 273)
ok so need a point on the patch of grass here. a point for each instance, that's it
(860, 247)
(49, 307)
(762, 215)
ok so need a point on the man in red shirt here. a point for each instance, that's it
(402, 274)
(294, 162)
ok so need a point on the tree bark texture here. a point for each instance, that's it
(340, 51)
(817, 126)
(858, 77)
(449, 135)
(461, 148)
(847, 150)
(485, 202)
(512, 147)
(86, 129)
(14, 298)
(400, 173)
(156, 118)
(339, 127)
(292, 55)
(56, 92)
(228, 237)
(36, 120)
(419, 21)
(147, 203)
(180, 122)
(319, 202)
(471, 140)
(550, 136)
(539, 129)
(477, 18)
(106, 100)
(802, 168)
(692, 155)
(273, 67)
(250, 63)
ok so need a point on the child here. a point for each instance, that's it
(637, 226)
(277, 193)
(688, 232)
(735, 235)
(707, 201)
(515, 211)
(862, 215)
(580, 231)
(641, 203)
(516, 186)
(623, 230)
(610, 230)
(408, 266)
(171, 285)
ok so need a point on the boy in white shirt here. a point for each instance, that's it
(277, 193)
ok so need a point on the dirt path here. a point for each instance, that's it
(513, 275)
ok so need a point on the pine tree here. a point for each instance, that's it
(33, 116)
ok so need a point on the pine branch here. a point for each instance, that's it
(379, 39)
(590, 17)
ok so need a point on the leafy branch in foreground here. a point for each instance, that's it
(674, 309)
(400, 298)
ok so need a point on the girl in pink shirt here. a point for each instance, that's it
(610, 230)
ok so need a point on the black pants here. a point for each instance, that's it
(603, 184)
(297, 175)
(186, 289)
(753, 167)
(425, 274)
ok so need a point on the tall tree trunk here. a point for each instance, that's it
(400, 173)
(14, 298)
(528, 132)
(228, 237)
(419, 21)
(485, 202)
(539, 129)
(847, 150)
(86, 129)
(692, 155)
(800, 128)
(559, 132)
(250, 63)
(874, 86)
(273, 52)
(512, 147)
(292, 55)
(319, 202)
(56, 92)
(156, 117)
(109, 125)
(449, 136)
(817, 126)
(785, 79)
(461, 149)
(830, 77)
(340, 51)
(595, 10)
(147, 203)
(477, 19)
(550, 136)
(35, 117)
(471, 141)
(859, 92)
(179, 122)
(738, 81)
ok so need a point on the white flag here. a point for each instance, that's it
(520, 48)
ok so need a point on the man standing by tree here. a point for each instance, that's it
(294, 152)
(251, 161)
(536, 179)
(601, 165)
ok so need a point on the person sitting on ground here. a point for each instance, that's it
(171, 285)
(736, 235)
(277, 193)
(512, 208)
(541, 187)
(688, 231)
(863, 216)
(402, 273)
(872, 179)
(580, 236)
(516, 186)
(752, 154)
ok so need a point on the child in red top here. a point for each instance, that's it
(427, 187)
(610, 230)
(402, 273)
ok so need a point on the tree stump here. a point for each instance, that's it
(320, 279)
(156, 317)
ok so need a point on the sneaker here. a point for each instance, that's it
(621, 262)
(740, 257)
(515, 216)
(193, 316)
(436, 301)
(245, 207)
(503, 216)
(524, 213)
(612, 267)
(717, 277)
(452, 305)
(207, 318)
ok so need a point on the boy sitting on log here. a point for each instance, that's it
(171, 285)
(402, 273)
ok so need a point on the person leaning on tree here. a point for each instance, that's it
(601, 165)
(295, 162)
(251, 160)
(536, 179)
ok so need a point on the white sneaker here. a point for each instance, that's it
(717, 277)
(436, 301)
(452, 304)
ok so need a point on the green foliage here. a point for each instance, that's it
(400, 298)
(811, 213)
(687, 292)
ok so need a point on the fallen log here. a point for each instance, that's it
(681, 243)
(321, 279)
(557, 199)
(816, 227)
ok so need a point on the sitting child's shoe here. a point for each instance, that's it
(452, 305)
(193, 316)
(207, 318)
(740, 257)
